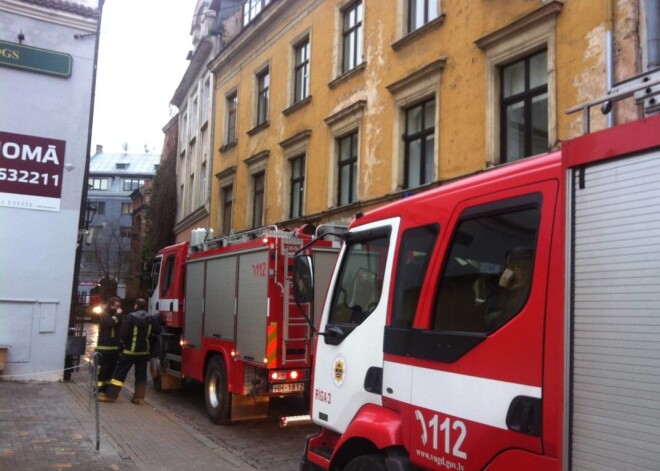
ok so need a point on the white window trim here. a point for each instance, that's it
(225, 179)
(345, 121)
(521, 38)
(255, 93)
(294, 147)
(338, 58)
(419, 86)
(403, 15)
(307, 34)
(225, 130)
(256, 163)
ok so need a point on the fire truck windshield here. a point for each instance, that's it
(360, 283)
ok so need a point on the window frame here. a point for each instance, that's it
(103, 183)
(227, 193)
(532, 32)
(421, 136)
(126, 208)
(258, 198)
(410, 28)
(262, 95)
(303, 65)
(231, 107)
(350, 161)
(297, 186)
(353, 36)
(525, 97)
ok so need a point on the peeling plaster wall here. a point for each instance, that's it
(462, 91)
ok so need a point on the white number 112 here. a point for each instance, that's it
(446, 426)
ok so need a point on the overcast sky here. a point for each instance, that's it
(142, 58)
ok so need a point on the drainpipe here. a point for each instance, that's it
(653, 33)
(609, 54)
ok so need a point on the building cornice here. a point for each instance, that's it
(55, 11)
(296, 138)
(429, 69)
(199, 59)
(552, 8)
(356, 107)
(253, 37)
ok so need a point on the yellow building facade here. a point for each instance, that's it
(326, 108)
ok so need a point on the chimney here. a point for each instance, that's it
(99, 149)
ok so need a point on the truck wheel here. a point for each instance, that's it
(218, 397)
(374, 462)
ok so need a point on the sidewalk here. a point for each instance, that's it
(52, 426)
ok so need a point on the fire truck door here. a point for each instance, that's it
(474, 355)
(353, 321)
(253, 305)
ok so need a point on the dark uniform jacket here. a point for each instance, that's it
(137, 331)
(110, 324)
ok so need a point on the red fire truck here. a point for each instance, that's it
(506, 321)
(230, 320)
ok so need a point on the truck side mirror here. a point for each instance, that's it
(303, 283)
(145, 282)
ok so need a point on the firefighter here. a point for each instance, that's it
(108, 341)
(137, 332)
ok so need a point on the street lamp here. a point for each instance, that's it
(90, 212)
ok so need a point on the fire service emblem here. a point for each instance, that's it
(339, 371)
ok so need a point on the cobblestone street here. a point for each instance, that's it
(51, 426)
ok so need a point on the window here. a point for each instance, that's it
(100, 207)
(125, 232)
(183, 132)
(251, 8)
(414, 257)
(131, 184)
(347, 169)
(191, 193)
(194, 111)
(202, 184)
(419, 140)
(488, 274)
(351, 36)
(206, 99)
(121, 166)
(258, 181)
(263, 86)
(301, 71)
(360, 281)
(421, 12)
(297, 186)
(98, 184)
(168, 274)
(524, 38)
(227, 201)
(231, 103)
(127, 208)
(524, 107)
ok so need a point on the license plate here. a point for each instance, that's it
(288, 387)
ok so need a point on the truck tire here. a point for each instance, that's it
(375, 462)
(216, 393)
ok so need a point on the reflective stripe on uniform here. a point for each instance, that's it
(117, 383)
(128, 352)
(107, 348)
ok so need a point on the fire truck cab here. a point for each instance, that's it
(506, 321)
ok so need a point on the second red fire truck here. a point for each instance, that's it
(230, 320)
